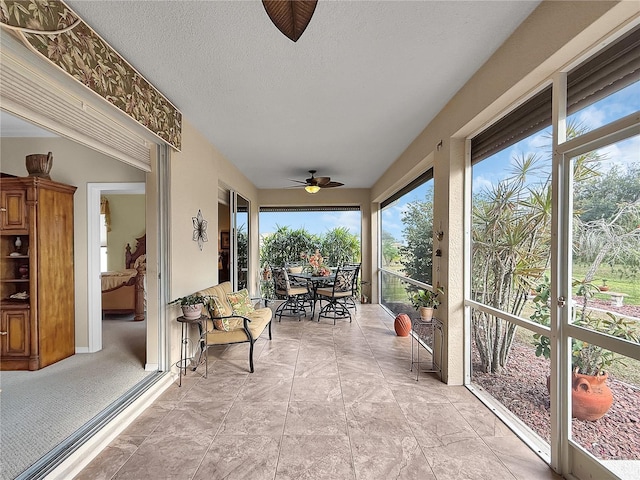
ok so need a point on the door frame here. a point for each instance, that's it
(94, 290)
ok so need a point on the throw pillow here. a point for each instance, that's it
(240, 302)
(216, 309)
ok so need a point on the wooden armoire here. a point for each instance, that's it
(36, 274)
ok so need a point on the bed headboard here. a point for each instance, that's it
(141, 249)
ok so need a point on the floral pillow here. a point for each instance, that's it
(240, 302)
(216, 309)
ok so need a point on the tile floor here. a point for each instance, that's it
(325, 402)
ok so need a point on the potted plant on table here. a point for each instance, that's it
(591, 397)
(191, 305)
(424, 301)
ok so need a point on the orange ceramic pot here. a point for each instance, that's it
(591, 398)
(402, 325)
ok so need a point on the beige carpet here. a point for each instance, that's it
(40, 409)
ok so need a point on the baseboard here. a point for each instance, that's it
(82, 350)
(151, 367)
(83, 455)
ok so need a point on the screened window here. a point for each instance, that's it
(290, 234)
(512, 311)
(406, 243)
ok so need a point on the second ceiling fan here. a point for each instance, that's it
(314, 184)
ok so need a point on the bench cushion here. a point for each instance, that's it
(260, 318)
(220, 292)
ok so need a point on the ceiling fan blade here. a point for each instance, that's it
(322, 181)
(332, 184)
(298, 181)
(291, 17)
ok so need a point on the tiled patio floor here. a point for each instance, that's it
(325, 402)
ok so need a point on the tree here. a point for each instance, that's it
(390, 252)
(243, 252)
(511, 232)
(287, 245)
(415, 256)
(600, 196)
(339, 246)
(607, 223)
(613, 239)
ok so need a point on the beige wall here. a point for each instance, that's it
(77, 165)
(196, 172)
(127, 224)
(555, 35)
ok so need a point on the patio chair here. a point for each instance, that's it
(350, 302)
(337, 294)
(295, 297)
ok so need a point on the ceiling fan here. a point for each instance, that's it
(313, 184)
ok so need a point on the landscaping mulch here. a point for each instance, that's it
(523, 390)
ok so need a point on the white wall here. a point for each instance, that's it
(76, 165)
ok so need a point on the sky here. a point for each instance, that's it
(317, 223)
(485, 173)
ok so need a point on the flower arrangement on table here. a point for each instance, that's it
(316, 264)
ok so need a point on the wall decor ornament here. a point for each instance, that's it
(199, 229)
(55, 32)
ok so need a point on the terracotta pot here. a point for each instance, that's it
(39, 164)
(591, 398)
(402, 325)
(192, 311)
(603, 288)
(426, 313)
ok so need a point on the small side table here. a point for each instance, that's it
(434, 325)
(184, 360)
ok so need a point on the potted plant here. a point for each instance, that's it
(424, 301)
(591, 398)
(191, 305)
(604, 287)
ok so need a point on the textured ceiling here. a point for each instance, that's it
(346, 99)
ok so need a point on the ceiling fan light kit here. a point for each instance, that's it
(312, 188)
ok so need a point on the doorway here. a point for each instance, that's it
(96, 191)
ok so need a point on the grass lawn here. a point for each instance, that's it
(616, 281)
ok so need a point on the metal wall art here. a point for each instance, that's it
(199, 229)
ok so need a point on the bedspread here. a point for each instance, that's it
(111, 280)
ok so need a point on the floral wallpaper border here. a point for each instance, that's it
(53, 30)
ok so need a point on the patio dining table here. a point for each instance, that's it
(315, 281)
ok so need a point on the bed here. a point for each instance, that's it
(123, 291)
